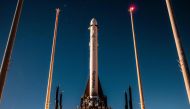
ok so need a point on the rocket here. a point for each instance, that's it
(93, 58)
(9, 46)
(182, 59)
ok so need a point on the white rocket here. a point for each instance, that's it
(93, 58)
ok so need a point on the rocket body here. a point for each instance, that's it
(93, 58)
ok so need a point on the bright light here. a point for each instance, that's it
(132, 8)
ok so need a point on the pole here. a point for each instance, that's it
(130, 98)
(47, 102)
(9, 46)
(131, 10)
(57, 98)
(180, 51)
(60, 100)
(126, 101)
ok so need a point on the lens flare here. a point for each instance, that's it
(132, 8)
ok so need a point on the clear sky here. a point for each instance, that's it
(27, 77)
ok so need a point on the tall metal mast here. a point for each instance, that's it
(60, 100)
(130, 98)
(57, 98)
(131, 10)
(47, 102)
(180, 51)
(9, 47)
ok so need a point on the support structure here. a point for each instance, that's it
(47, 102)
(9, 46)
(131, 10)
(182, 59)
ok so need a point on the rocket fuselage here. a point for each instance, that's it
(93, 58)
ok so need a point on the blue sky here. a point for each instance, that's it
(28, 72)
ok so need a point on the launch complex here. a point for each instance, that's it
(93, 97)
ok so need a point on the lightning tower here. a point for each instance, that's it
(9, 47)
(47, 102)
(131, 10)
(182, 59)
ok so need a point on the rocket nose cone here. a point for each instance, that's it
(93, 22)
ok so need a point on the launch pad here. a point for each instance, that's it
(98, 102)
